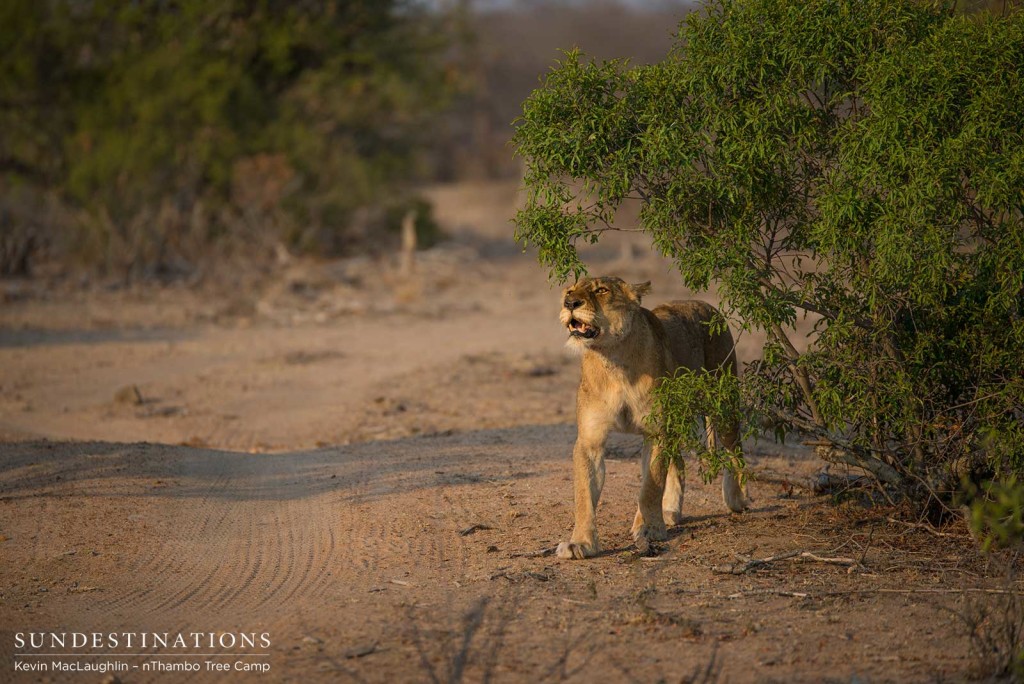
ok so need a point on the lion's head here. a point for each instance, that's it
(598, 312)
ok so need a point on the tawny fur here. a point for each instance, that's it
(625, 350)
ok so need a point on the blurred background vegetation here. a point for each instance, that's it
(142, 139)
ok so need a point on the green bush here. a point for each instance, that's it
(169, 124)
(859, 161)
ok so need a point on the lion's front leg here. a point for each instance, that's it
(588, 481)
(648, 524)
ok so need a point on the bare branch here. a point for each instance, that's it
(751, 563)
(802, 379)
(881, 470)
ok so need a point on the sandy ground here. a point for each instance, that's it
(370, 468)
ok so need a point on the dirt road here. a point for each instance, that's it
(369, 470)
(391, 561)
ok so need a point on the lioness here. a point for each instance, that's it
(626, 349)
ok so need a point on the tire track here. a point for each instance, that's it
(270, 586)
(251, 545)
(308, 539)
(258, 538)
(327, 561)
(234, 562)
(183, 563)
(157, 565)
(199, 591)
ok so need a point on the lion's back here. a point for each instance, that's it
(686, 324)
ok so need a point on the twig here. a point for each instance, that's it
(360, 652)
(751, 563)
(473, 528)
(921, 526)
(733, 569)
(968, 590)
(867, 546)
(768, 592)
(533, 554)
(847, 562)
(854, 592)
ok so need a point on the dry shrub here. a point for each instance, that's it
(29, 222)
(994, 626)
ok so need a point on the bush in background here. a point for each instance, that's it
(165, 127)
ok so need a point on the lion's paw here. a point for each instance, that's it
(576, 550)
(672, 518)
(656, 532)
(645, 535)
(738, 506)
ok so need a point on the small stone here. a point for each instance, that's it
(128, 395)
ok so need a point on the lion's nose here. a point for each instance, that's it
(571, 304)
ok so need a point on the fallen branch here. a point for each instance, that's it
(829, 483)
(921, 526)
(360, 652)
(845, 562)
(968, 590)
(768, 592)
(751, 563)
(881, 470)
(855, 592)
(533, 554)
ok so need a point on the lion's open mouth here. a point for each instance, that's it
(578, 328)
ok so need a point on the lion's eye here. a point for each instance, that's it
(601, 290)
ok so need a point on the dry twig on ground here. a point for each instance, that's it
(751, 563)
(533, 554)
(921, 526)
(855, 592)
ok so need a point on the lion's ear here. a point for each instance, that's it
(640, 290)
